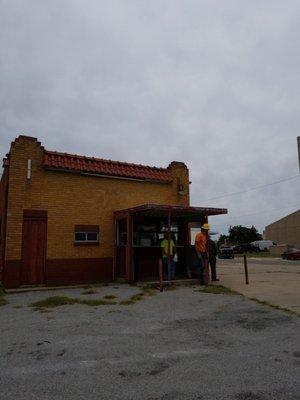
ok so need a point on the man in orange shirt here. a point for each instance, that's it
(201, 242)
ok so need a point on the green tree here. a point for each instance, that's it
(241, 234)
(221, 240)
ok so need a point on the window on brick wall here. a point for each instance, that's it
(86, 234)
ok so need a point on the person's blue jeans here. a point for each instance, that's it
(165, 269)
(213, 268)
(202, 258)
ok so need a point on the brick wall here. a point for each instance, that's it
(71, 198)
(3, 202)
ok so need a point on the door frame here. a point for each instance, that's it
(38, 215)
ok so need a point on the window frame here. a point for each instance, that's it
(86, 230)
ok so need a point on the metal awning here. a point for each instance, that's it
(184, 215)
(163, 210)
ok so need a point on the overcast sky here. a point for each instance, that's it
(215, 84)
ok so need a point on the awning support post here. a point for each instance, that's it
(115, 241)
(169, 244)
(129, 273)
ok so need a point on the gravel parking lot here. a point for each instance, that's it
(179, 344)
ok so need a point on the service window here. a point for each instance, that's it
(86, 234)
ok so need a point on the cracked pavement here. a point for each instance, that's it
(179, 344)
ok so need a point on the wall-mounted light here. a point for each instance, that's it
(182, 192)
(180, 188)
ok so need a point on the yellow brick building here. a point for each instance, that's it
(57, 212)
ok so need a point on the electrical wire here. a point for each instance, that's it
(262, 211)
(234, 218)
(254, 188)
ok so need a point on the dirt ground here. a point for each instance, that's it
(180, 344)
(275, 281)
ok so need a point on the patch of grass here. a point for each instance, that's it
(3, 301)
(110, 297)
(132, 299)
(266, 303)
(137, 297)
(89, 291)
(2, 290)
(149, 290)
(218, 289)
(18, 306)
(53, 301)
(57, 301)
(126, 302)
(96, 302)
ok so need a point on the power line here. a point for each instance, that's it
(235, 217)
(254, 188)
(264, 211)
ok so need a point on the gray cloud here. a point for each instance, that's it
(212, 83)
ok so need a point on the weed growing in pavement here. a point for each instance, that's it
(220, 289)
(96, 302)
(266, 303)
(126, 302)
(3, 300)
(133, 299)
(110, 297)
(57, 301)
(2, 290)
(53, 301)
(217, 289)
(89, 291)
(147, 290)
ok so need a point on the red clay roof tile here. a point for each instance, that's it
(73, 162)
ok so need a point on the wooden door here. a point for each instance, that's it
(33, 249)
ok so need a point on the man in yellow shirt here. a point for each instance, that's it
(165, 256)
(201, 243)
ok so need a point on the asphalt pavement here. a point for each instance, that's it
(180, 344)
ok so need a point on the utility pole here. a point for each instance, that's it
(298, 141)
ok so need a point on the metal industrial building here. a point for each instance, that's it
(285, 231)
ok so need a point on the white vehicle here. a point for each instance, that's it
(263, 244)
